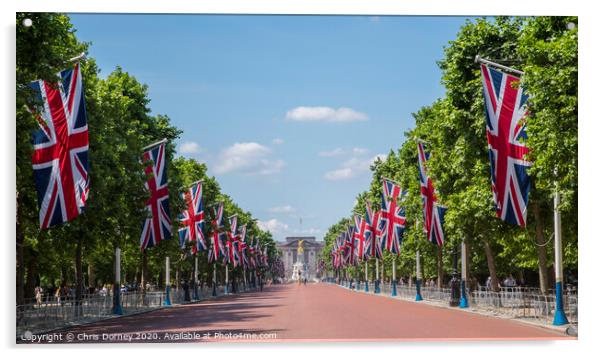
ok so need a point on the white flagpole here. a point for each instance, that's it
(226, 284)
(418, 276)
(559, 315)
(464, 277)
(478, 59)
(117, 310)
(167, 301)
(154, 144)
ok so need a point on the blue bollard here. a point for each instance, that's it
(357, 284)
(351, 284)
(167, 301)
(559, 315)
(418, 294)
(377, 286)
(366, 287)
(463, 299)
(394, 288)
(214, 292)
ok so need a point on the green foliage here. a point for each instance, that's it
(454, 130)
(120, 125)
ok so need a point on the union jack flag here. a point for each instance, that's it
(242, 247)
(192, 219)
(432, 213)
(506, 112)
(252, 262)
(60, 157)
(233, 242)
(350, 246)
(373, 246)
(217, 248)
(361, 236)
(392, 219)
(158, 226)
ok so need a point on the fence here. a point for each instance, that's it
(52, 313)
(515, 302)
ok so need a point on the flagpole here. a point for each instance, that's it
(167, 301)
(117, 310)
(226, 284)
(559, 315)
(464, 276)
(478, 59)
(394, 280)
(154, 144)
(418, 276)
(196, 274)
(81, 56)
(377, 281)
(388, 179)
(366, 289)
(214, 293)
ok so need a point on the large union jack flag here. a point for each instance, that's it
(192, 219)
(373, 246)
(392, 219)
(506, 111)
(157, 227)
(217, 247)
(350, 246)
(60, 157)
(432, 213)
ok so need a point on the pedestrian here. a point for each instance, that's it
(488, 283)
(38, 293)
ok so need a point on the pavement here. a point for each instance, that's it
(297, 313)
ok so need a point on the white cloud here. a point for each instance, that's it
(282, 209)
(340, 174)
(189, 147)
(353, 167)
(273, 226)
(359, 151)
(247, 158)
(277, 141)
(332, 153)
(325, 114)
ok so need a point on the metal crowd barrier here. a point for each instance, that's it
(516, 302)
(53, 313)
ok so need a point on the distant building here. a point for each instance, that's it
(311, 251)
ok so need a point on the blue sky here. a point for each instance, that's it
(288, 112)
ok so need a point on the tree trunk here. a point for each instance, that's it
(91, 277)
(542, 259)
(32, 273)
(440, 267)
(491, 266)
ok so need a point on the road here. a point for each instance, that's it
(300, 313)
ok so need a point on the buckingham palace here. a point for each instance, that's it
(311, 251)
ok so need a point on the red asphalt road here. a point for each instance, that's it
(318, 312)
